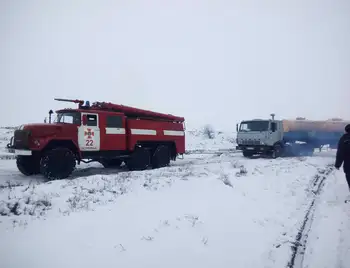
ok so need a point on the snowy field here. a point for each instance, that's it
(5, 136)
(206, 210)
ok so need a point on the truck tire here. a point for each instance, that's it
(248, 153)
(28, 165)
(57, 163)
(161, 157)
(277, 151)
(111, 163)
(140, 159)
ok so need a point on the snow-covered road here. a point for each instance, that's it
(204, 211)
(328, 242)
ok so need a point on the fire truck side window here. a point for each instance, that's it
(91, 120)
(114, 121)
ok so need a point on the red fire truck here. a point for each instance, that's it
(104, 132)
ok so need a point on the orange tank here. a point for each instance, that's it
(331, 125)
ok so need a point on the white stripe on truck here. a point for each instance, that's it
(151, 132)
(137, 131)
(113, 130)
(173, 133)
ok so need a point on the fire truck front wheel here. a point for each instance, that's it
(57, 163)
(28, 165)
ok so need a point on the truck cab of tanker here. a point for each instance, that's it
(259, 136)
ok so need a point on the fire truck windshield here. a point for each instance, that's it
(68, 118)
(254, 126)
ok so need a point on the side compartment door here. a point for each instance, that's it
(115, 138)
(89, 137)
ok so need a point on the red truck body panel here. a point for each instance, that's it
(148, 130)
(112, 139)
(43, 133)
(136, 125)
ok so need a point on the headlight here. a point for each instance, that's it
(36, 142)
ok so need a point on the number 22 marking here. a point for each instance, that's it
(89, 143)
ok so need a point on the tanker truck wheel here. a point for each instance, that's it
(28, 165)
(248, 153)
(277, 151)
(57, 163)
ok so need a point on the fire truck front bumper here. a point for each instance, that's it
(19, 151)
(13, 150)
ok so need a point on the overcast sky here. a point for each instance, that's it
(215, 61)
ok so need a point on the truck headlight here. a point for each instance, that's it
(37, 142)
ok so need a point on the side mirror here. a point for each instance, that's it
(85, 120)
(236, 127)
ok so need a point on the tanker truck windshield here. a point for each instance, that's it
(247, 126)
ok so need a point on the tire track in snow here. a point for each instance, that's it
(300, 243)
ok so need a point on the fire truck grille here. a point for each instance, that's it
(21, 139)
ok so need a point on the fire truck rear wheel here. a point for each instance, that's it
(57, 163)
(28, 165)
(139, 160)
(161, 157)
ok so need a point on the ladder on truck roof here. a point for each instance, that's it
(127, 110)
(135, 112)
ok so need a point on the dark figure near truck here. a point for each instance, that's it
(343, 154)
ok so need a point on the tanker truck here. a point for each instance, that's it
(278, 138)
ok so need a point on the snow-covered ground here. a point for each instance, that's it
(5, 136)
(329, 237)
(197, 140)
(206, 210)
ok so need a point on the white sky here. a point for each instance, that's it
(215, 61)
